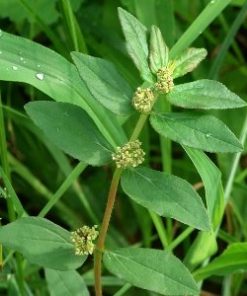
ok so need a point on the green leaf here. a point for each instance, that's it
(205, 244)
(154, 270)
(158, 13)
(41, 242)
(105, 83)
(72, 130)
(25, 61)
(204, 94)
(16, 12)
(188, 61)
(166, 195)
(202, 21)
(158, 54)
(202, 248)
(136, 37)
(198, 131)
(233, 259)
(238, 2)
(66, 283)
(75, 4)
(12, 194)
(211, 177)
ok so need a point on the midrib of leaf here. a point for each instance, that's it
(160, 190)
(102, 146)
(55, 242)
(64, 285)
(103, 79)
(115, 87)
(205, 96)
(117, 256)
(144, 49)
(53, 232)
(200, 132)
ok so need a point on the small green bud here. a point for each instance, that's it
(129, 155)
(143, 100)
(164, 86)
(164, 82)
(83, 240)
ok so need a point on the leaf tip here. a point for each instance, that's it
(28, 107)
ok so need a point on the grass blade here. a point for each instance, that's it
(205, 18)
(214, 72)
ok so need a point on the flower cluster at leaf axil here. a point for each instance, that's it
(164, 82)
(83, 239)
(129, 155)
(143, 100)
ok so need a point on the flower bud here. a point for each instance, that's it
(83, 240)
(143, 100)
(164, 82)
(164, 86)
(129, 155)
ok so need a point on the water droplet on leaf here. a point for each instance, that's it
(40, 76)
(14, 68)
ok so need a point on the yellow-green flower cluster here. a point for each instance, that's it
(129, 155)
(83, 239)
(143, 100)
(164, 82)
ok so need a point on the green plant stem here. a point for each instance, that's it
(235, 46)
(227, 42)
(47, 30)
(211, 11)
(139, 126)
(4, 160)
(226, 291)
(241, 176)
(226, 237)
(180, 238)
(234, 167)
(166, 156)
(165, 144)
(11, 194)
(10, 205)
(230, 180)
(62, 162)
(159, 226)
(68, 215)
(165, 148)
(123, 290)
(70, 22)
(103, 231)
(63, 188)
(229, 186)
(73, 27)
(108, 211)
